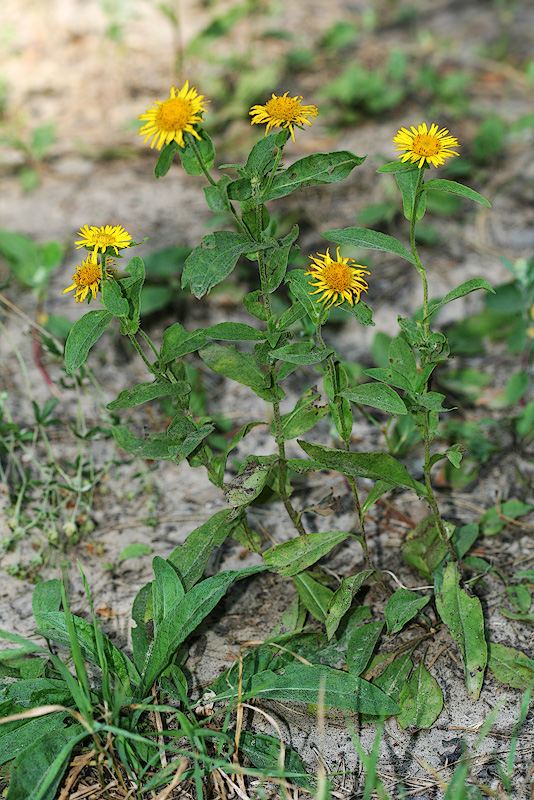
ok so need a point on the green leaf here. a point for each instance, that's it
(395, 166)
(380, 488)
(190, 558)
(342, 599)
(218, 462)
(408, 181)
(254, 306)
(38, 770)
(463, 616)
(132, 287)
(234, 332)
(510, 666)
(83, 336)
(377, 466)
(187, 616)
(395, 675)
(452, 187)
(359, 311)
(492, 521)
(391, 377)
(167, 591)
(240, 367)
(188, 156)
(178, 342)
(319, 168)
(144, 392)
(112, 298)
(520, 597)
(402, 607)
(46, 597)
(423, 547)
(373, 240)
(421, 700)
(261, 158)
(134, 550)
(213, 260)
(250, 481)
(166, 157)
(301, 353)
(155, 446)
(304, 416)
(517, 616)
(264, 753)
(376, 395)
(16, 737)
(361, 646)
(301, 287)
(402, 359)
(300, 683)
(516, 387)
(465, 288)
(277, 260)
(298, 554)
(54, 626)
(314, 596)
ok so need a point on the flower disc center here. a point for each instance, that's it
(173, 114)
(337, 276)
(425, 145)
(87, 274)
(286, 108)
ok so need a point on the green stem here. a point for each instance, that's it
(431, 498)
(137, 346)
(278, 428)
(149, 341)
(201, 162)
(273, 171)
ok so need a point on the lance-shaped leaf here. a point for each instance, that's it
(155, 446)
(465, 288)
(463, 616)
(298, 554)
(421, 700)
(131, 289)
(234, 332)
(376, 395)
(189, 158)
(250, 482)
(166, 157)
(377, 466)
(401, 608)
(452, 187)
(112, 298)
(342, 599)
(372, 240)
(264, 753)
(277, 261)
(361, 646)
(301, 287)
(408, 182)
(510, 666)
(240, 367)
(304, 416)
(213, 260)
(144, 392)
(300, 683)
(177, 342)
(82, 337)
(314, 596)
(301, 353)
(313, 170)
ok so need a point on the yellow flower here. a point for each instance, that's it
(169, 119)
(423, 145)
(338, 280)
(101, 238)
(87, 278)
(282, 112)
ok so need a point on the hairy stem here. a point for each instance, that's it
(431, 498)
(279, 434)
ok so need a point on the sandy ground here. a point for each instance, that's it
(59, 65)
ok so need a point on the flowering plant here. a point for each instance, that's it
(275, 343)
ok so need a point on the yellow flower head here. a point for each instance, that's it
(169, 119)
(282, 112)
(421, 144)
(337, 280)
(87, 278)
(101, 238)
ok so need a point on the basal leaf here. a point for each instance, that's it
(510, 666)
(463, 616)
(342, 599)
(401, 607)
(314, 596)
(421, 700)
(361, 646)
